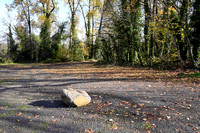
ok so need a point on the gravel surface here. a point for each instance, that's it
(30, 103)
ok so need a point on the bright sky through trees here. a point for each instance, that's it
(11, 18)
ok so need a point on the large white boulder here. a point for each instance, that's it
(73, 97)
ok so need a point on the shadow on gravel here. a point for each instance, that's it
(45, 66)
(50, 104)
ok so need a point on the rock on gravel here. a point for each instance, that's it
(73, 97)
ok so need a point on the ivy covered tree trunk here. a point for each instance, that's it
(47, 10)
(196, 30)
(45, 47)
(146, 29)
(183, 24)
(12, 48)
(152, 37)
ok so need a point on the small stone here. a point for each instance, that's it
(72, 97)
(110, 120)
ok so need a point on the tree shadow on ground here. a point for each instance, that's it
(28, 66)
(50, 104)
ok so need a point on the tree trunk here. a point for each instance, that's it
(146, 29)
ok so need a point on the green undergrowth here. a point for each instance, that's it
(194, 75)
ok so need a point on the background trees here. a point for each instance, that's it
(143, 32)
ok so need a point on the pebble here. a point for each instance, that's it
(110, 120)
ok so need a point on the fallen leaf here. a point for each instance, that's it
(176, 130)
(141, 104)
(125, 103)
(36, 116)
(191, 125)
(170, 108)
(114, 126)
(148, 131)
(138, 109)
(135, 106)
(159, 119)
(108, 103)
(95, 116)
(54, 120)
(19, 114)
(148, 122)
(144, 119)
(88, 131)
(152, 115)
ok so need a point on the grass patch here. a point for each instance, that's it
(23, 107)
(8, 104)
(5, 83)
(194, 75)
(6, 64)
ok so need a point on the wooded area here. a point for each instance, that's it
(137, 32)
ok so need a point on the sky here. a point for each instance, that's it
(7, 18)
(3, 17)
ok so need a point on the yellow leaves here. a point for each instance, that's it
(160, 12)
(42, 17)
(84, 48)
(172, 9)
(26, 4)
(20, 16)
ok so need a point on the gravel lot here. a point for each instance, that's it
(30, 103)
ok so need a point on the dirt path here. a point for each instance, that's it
(30, 101)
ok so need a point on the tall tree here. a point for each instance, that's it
(146, 28)
(195, 21)
(94, 7)
(73, 9)
(12, 47)
(25, 9)
(46, 8)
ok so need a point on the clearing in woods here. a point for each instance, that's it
(124, 99)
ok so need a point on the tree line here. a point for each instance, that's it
(142, 32)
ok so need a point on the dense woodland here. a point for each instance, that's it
(161, 33)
